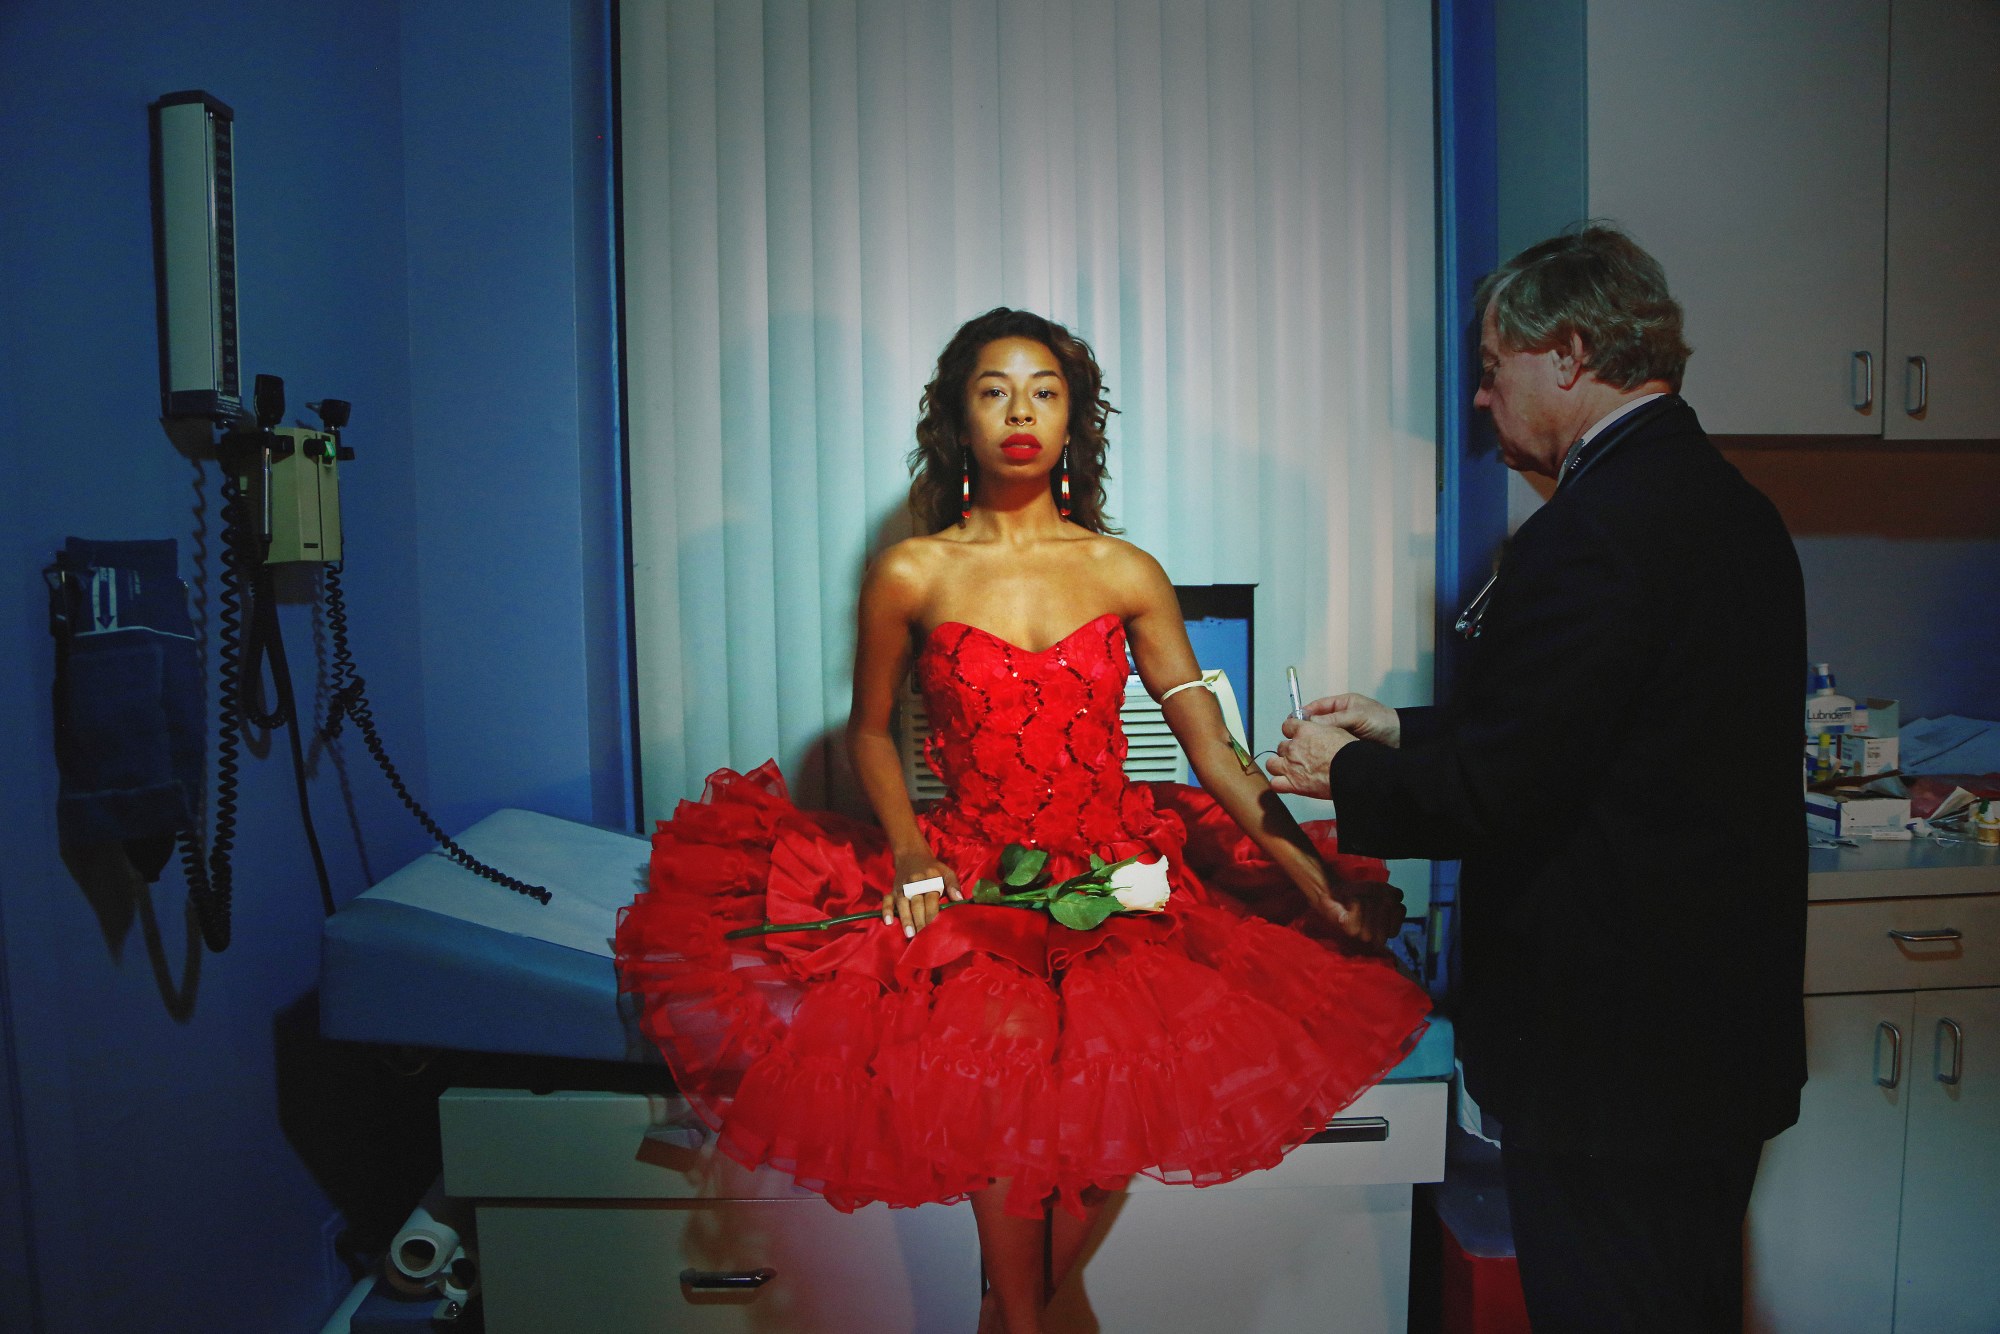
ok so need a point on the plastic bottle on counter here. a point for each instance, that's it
(1986, 824)
(1826, 709)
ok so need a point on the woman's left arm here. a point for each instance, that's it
(1369, 913)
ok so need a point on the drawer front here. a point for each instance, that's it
(622, 1268)
(512, 1144)
(1393, 1133)
(1849, 946)
(1329, 1260)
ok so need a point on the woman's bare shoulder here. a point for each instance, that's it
(1124, 562)
(909, 569)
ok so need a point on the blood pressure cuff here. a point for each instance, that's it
(129, 719)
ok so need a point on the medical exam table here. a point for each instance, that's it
(601, 1206)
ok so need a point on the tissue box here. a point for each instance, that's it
(1857, 815)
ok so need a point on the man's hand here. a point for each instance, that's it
(1299, 767)
(1367, 719)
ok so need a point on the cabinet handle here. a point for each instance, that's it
(1353, 1130)
(726, 1280)
(1864, 362)
(1957, 1051)
(1927, 937)
(1895, 1054)
(1922, 366)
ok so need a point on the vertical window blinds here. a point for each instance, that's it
(1232, 202)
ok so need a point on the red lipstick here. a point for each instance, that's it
(1020, 447)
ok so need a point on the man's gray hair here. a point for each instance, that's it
(1598, 284)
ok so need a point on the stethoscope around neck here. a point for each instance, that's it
(1584, 457)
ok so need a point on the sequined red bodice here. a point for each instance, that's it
(1028, 742)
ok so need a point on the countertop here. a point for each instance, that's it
(1906, 868)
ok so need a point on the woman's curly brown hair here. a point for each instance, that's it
(937, 463)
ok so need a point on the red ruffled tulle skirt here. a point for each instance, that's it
(1193, 1045)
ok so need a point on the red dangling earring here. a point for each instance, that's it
(1062, 483)
(964, 487)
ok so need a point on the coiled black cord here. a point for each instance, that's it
(351, 701)
(250, 637)
(213, 892)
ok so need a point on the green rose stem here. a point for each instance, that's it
(1089, 895)
(1031, 899)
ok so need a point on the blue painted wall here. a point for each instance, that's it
(520, 537)
(424, 219)
(1907, 618)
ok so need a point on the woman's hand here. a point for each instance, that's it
(919, 911)
(1367, 911)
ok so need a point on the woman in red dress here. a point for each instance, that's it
(986, 1052)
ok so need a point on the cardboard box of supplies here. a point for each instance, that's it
(1857, 815)
(1878, 718)
(1865, 753)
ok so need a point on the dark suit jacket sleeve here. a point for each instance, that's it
(1550, 706)
(1419, 724)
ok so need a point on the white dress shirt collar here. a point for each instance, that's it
(1598, 429)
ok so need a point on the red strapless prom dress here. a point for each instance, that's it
(1192, 1045)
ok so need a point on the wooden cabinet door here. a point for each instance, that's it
(1944, 228)
(1743, 145)
(1821, 1241)
(1948, 1264)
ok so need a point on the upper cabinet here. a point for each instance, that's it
(1811, 173)
(1743, 144)
(1942, 367)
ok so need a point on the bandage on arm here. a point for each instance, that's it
(1243, 757)
(1198, 682)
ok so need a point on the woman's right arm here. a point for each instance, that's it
(891, 598)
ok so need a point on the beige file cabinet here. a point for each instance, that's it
(1878, 1211)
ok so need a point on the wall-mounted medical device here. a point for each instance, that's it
(280, 502)
(194, 233)
(289, 476)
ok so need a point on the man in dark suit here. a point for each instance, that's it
(1619, 769)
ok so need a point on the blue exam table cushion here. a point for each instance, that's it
(435, 956)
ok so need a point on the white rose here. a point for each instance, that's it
(1141, 886)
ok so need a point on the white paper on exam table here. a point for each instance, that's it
(590, 874)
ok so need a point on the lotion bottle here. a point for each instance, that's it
(1826, 709)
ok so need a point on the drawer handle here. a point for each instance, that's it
(1927, 937)
(1864, 398)
(726, 1280)
(1895, 1054)
(1922, 366)
(1353, 1130)
(1957, 1051)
